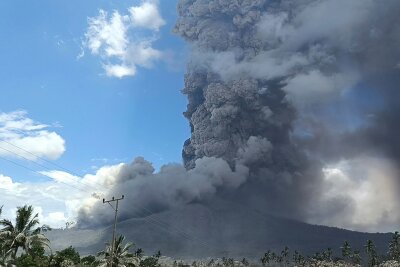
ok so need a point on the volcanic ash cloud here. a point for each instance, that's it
(278, 93)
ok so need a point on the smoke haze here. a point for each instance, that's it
(293, 110)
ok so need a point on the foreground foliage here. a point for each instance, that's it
(121, 256)
(24, 244)
(25, 234)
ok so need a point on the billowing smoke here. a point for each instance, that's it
(315, 79)
(289, 102)
(237, 107)
(150, 192)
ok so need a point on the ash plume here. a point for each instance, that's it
(292, 107)
(312, 82)
(237, 116)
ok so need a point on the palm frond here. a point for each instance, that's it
(7, 225)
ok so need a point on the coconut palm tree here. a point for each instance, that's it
(346, 250)
(327, 255)
(266, 258)
(25, 233)
(285, 255)
(3, 250)
(296, 257)
(121, 256)
(371, 252)
(356, 257)
(139, 253)
(394, 247)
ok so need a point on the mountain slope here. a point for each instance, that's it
(198, 231)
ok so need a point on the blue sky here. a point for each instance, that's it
(101, 117)
(51, 79)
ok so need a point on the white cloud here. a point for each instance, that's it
(61, 176)
(147, 16)
(107, 36)
(6, 183)
(57, 201)
(143, 53)
(19, 134)
(47, 198)
(359, 194)
(120, 41)
(119, 71)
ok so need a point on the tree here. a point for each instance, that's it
(139, 253)
(356, 257)
(346, 250)
(279, 259)
(88, 260)
(274, 256)
(35, 258)
(371, 252)
(121, 256)
(285, 255)
(25, 233)
(265, 260)
(26, 260)
(394, 247)
(3, 250)
(327, 255)
(317, 256)
(227, 262)
(150, 262)
(66, 255)
(296, 257)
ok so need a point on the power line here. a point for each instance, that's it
(154, 221)
(30, 169)
(43, 166)
(42, 158)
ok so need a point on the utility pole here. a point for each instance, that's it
(115, 226)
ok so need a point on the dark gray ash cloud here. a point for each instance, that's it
(291, 105)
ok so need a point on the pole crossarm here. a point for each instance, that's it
(113, 199)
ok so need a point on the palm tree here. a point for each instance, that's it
(267, 258)
(279, 260)
(3, 250)
(356, 257)
(372, 256)
(296, 257)
(25, 233)
(139, 253)
(394, 247)
(273, 256)
(346, 250)
(327, 255)
(121, 256)
(285, 255)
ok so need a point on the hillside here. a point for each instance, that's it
(197, 231)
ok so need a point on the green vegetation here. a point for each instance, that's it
(121, 255)
(24, 244)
